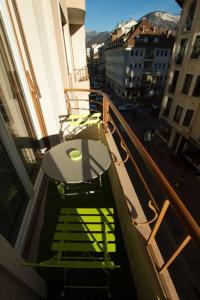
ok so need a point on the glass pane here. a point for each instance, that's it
(196, 91)
(178, 114)
(15, 112)
(187, 83)
(13, 199)
(190, 16)
(196, 48)
(172, 86)
(188, 117)
(181, 53)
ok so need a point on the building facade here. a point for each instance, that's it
(42, 51)
(137, 60)
(180, 105)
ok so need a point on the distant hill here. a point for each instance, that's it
(95, 37)
(162, 19)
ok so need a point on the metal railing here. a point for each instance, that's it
(172, 199)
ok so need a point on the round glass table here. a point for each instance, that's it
(76, 161)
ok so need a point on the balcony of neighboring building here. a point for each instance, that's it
(76, 11)
(139, 194)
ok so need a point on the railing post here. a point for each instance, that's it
(106, 116)
(159, 221)
(176, 253)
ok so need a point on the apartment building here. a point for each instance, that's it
(137, 60)
(180, 105)
(42, 51)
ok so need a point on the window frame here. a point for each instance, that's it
(186, 87)
(178, 114)
(187, 120)
(196, 90)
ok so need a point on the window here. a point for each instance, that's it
(188, 117)
(196, 91)
(132, 53)
(156, 40)
(163, 66)
(157, 52)
(146, 40)
(178, 114)
(13, 199)
(155, 66)
(187, 83)
(136, 53)
(161, 52)
(147, 66)
(168, 107)
(141, 52)
(172, 87)
(131, 66)
(15, 111)
(139, 66)
(189, 18)
(130, 79)
(135, 66)
(166, 52)
(181, 52)
(196, 48)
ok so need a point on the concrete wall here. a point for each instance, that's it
(38, 22)
(17, 281)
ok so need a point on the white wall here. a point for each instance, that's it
(41, 34)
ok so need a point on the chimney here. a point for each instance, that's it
(168, 33)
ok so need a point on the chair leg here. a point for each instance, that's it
(63, 293)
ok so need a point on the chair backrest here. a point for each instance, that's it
(84, 119)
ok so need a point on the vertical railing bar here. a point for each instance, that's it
(159, 221)
(105, 112)
(176, 253)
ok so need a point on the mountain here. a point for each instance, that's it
(95, 37)
(162, 19)
(156, 18)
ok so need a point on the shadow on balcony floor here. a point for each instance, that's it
(120, 279)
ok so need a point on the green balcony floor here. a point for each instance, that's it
(120, 279)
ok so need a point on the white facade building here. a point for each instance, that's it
(42, 52)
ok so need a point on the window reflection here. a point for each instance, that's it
(15, 112)
(13, 199)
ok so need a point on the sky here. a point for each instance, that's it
(103, 15)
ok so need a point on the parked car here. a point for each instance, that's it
(99, 97)
(93, 106)
(155, 106)
(128, 107)
(92, 96)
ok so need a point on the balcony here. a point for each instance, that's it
(147, 209)
(76, 11)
